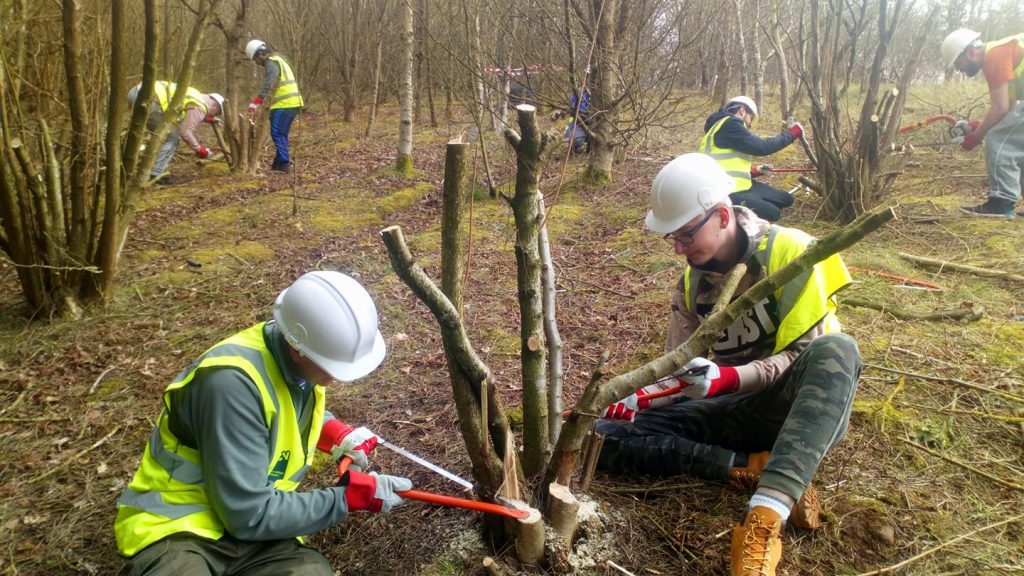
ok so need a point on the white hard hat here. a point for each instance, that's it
(746, 101)
(253, 47)
(220, 101)
(685, 188)
(133, 94)
(955, 44)
(331, 319)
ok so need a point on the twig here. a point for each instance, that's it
(20, 398)
(957, 381)
(38, 419)
(964, 465)
(599, 287)
(99, 379)
(969, 314)
(672, 540)
(934, 549)
(943, 265)
(619, 568)
(67, 461)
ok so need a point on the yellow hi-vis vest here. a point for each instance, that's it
(736, 164)
(165, 93)
(800, 303)
(1016, 86)
(167, 494)
(287, 93)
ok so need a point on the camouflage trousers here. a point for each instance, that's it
(798, 418)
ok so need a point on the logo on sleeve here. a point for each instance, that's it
(282, 465)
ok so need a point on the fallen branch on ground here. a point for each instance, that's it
(971, 314)
(943, 265)
(963, 465)
(956, 381)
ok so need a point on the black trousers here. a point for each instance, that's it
(765, 201)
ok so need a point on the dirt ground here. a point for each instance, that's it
(933, 455)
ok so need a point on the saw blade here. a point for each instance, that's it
(433, 467)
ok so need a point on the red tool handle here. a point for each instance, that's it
(451, 501)
(926, 122)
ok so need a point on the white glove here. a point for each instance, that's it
(707, 379)
(357, 445)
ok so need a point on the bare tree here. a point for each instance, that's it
(403, 163)
(64, 224)
(856, 173)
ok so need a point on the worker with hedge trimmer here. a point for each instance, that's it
(215, 492)
(778, 393)
(728, 139)
(1002, 62)
(197, 108)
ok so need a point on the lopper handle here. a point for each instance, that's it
(450, 501)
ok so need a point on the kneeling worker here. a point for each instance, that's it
(215, 492)
(728, 139)
(777, 396)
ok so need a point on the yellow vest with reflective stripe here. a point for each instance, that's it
(287, 93)
(167, 494)
(801, 303)
(1016, 85)
(736, 164)
(165, 93)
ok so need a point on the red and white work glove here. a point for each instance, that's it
(627, 408)
(761, 170)
(203, 152)
(254, 106)
(795, 129)
(707, 379)
(971, 139)
(342, 440)
(373, 492)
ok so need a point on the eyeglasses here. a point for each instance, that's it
(687, 237)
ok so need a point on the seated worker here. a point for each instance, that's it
(728, 139)
(215, 492)
(778, 394)
(197, 108)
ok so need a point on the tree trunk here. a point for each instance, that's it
(376, 87)
(602, 152)
(403, 163)
(741, 44)
(529, 147)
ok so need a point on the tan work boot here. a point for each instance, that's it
(756, 545)
(806, 512)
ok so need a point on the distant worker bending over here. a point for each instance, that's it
(196, 109)
(286, 103)
(1002, 62)
(215, 492)
(728, 139)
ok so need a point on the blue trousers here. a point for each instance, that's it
(280, 124)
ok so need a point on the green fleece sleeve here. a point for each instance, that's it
(224, 413)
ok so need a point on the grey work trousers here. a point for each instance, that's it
(185, 553)
(166, 154)
(1004, 155)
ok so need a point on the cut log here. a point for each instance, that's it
(562, 511)
(529, 535)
